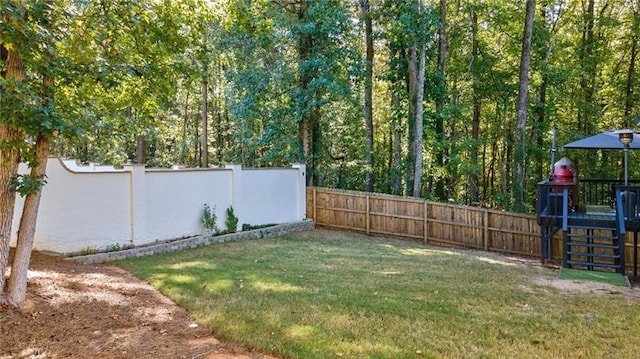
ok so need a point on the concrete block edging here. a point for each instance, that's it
(195, 242)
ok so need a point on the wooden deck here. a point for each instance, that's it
(593, 233)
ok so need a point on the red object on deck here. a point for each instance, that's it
(562, 175)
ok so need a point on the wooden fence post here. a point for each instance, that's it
(485, 236)
(315, 205)
(367, 215)
(426, 223)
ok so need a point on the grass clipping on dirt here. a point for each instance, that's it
(323, 294)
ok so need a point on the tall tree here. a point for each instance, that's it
(520, 143)
(30, 47)
(365, 7)
(42, 134)
(549, 16)
(477, 107)
(11, 136)
(440, 149)
(204, 114)
(629, 102)
(419, 121)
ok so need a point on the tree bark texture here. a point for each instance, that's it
(477, 106)
(204, 140)
(308, 128)
(412, 67)
(440, 102)
(17, 285)
(10, 139)
(419, 129)
(629, 95)
(368, 94)
(589, 68)
(397, 141)
(525, 60)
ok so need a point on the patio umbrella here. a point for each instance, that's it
(611, 140)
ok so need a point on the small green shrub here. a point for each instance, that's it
(209, 218)
(112, 247)
(232, 221)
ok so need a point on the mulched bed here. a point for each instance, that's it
(76, 310)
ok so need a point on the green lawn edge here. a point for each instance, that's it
(617, 279)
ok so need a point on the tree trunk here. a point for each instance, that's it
(17, 286)
(477, 106)
(541, 100)
(368, 94)
(474, 187)
(10, 138)
(397, 145)
(439, 190)
(412, 79)
(184, 152)
(586, 112)
(141, 150)
(418, 132)
(204, 149)
(519, 182)
(628, 98)
(505, 170)
(307, 127)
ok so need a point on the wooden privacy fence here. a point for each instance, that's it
(431, 222)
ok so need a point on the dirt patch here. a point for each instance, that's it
(589, 287)
(76, 310)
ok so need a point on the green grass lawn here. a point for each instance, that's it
(324, 294)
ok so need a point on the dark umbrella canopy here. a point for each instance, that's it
(610, 141)
(607, 140)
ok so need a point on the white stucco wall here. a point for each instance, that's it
(92, 207)
(175, 200)
(272, 194)
(80, 210)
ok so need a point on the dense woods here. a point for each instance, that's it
(422, 98)
(453, 100)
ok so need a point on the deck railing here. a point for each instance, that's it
(600, 192)
(554, 202)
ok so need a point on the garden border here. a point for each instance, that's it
(195, 242)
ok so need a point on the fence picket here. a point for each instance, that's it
(428, 221)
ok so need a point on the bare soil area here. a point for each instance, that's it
(76, 310)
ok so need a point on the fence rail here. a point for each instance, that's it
(433, 222)
(427, 221)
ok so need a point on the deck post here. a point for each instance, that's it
(623, 249)
(565, 208)
(543, 245)
(635, 254)
(565, 245)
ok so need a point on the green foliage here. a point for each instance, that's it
(27, 184)
(113, 247)
(231, 221)
(127, 69)
(209, 218)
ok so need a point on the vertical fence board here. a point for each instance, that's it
(432, 222)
